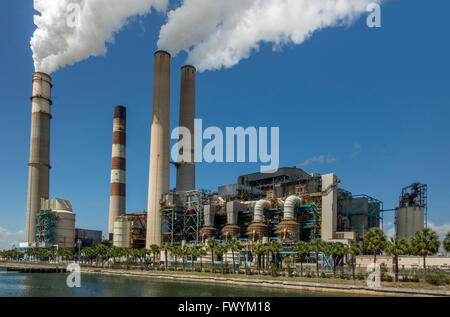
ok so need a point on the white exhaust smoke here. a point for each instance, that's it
(69, 31)
(219, 33)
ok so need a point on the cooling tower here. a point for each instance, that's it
(39, 164)
(117, 203)
(159, 176)
(186, 167)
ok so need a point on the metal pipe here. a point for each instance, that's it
(289, 207)
(159, 174)
(117, 203)
(260, 206)
(39, 164)
(186, 168)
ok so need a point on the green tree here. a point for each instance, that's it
(336, 251)
(175, 252)
(302, 248)
(275, 248)
(317, 246)
(155, 250)
(201, 253)
(446, 243)
(222, 250)
(259, 250)
(396, 246)
(166, 247)
(234, 246)
(375, 241)
(425, 243)
(354, 250)
(212, 246)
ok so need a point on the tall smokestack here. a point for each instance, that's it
(39, 164)
(159, 178)
(117, 203)
(186, 170)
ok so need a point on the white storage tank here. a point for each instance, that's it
(64, 228)
(122, 233)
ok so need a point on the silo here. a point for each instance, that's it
(65, 229)
(409, 220)
(122, 233)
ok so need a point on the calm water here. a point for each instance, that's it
(22, 284)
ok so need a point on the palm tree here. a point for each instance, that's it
(175, 252)
(193, 252)
(397, 246)
(375, 241)
(302, 249)
(201, 253)
(258, 250)
(222, 250)
(446, 243)
(275, 248)
(212, 246)
(155, 249)
(233, 246)
(184, 252)
(166, 247)
(354, 250)
(424, 243)
(317, 246)
(336, 251)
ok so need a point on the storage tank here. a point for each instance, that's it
(65, 229)
(409, 220)
(122, 233)
(60, 230)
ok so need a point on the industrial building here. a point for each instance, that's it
(288, 205)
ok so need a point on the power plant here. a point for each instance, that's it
(288, 205)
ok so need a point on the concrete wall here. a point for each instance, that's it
(406, 262)
(329, 206)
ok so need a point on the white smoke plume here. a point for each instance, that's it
(69, 31)
(220, 33)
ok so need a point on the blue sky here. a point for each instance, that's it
(374, 100)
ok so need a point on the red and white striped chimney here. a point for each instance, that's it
(117, 204)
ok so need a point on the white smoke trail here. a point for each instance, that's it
(220, 33)
(70, 31)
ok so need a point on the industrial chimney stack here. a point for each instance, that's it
(39, 164)
(159, 178)
(186, 170)
(117, 203)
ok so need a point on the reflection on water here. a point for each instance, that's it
(41, 285)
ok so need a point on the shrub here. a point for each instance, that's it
(414, 278)
(437, 279)
(344, 276)
(387, 278)
(361, 277)
(198, 269)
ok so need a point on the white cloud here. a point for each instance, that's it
(321, 159)
(8, 239)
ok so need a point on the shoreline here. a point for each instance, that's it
(255, 282)
(305, 286)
